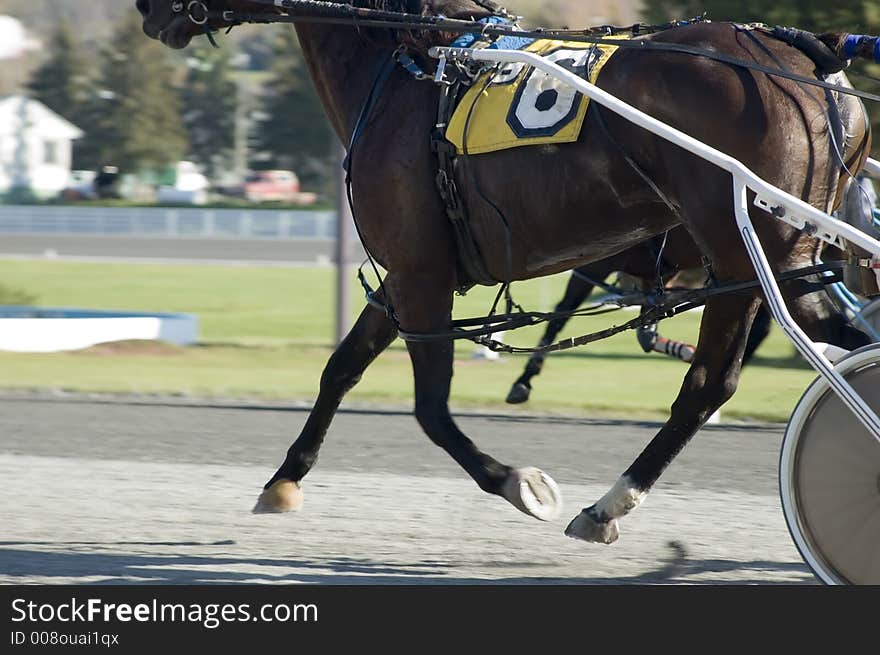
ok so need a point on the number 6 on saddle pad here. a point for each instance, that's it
(517, 105)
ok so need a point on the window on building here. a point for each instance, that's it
(50, 152)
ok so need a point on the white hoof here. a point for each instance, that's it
(282, 496)
(533, 492)
(584, 526)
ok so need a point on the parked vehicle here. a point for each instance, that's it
(81, 186)
(106, 183)
(189, 186)
(278, 186)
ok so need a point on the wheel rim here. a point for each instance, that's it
(831, 478)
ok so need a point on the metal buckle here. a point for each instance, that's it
(442, 180)
(409, 64)
(178, 6)
(873, 263)
(439, 76)
(200, 6)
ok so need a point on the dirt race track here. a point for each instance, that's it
(99, 490)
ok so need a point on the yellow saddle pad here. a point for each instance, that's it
(517, 105)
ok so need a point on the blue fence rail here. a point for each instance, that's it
(172, 222)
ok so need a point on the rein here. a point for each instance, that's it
(318, 11)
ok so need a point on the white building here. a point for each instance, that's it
(14, 39)
(36, 147)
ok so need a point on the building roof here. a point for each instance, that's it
(19, 113)
(14, 39)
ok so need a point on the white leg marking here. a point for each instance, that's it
(620, 500)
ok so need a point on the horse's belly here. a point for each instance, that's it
(566, 230)
(581, 251)
(558, 206)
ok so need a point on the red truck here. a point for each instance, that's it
(278, 186)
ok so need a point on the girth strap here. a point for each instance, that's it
(470, 261)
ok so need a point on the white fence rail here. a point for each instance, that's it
(172, 222)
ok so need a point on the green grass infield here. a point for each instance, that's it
(266, 332)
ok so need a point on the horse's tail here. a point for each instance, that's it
(852, 46)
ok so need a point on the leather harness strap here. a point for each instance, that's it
(472, 268)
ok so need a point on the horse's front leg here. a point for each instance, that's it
(530, 490)
(371, 334)
(709, 383)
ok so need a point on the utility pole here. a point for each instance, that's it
(240, 150)
(344, 230)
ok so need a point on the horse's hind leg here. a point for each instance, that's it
(821, 319)
(371, 334)
(576, 292)
(709, 383)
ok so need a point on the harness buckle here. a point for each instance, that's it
(442, 181)
(198, 12)
(855, 260)
(409, 64)
(449, 193)
(440, 75)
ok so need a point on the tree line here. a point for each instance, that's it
(143, 108)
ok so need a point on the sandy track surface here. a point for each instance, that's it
(128, 491)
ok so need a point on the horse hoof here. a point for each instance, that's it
(533, 492)
(282, 496)
(586, 527)
(519, 393)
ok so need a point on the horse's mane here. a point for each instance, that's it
(421, 41)
(402, 6)
(449, 8)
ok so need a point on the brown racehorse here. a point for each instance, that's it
(562, 207)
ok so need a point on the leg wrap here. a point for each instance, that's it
(676, 349)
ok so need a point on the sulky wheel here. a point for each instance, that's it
(829, 475)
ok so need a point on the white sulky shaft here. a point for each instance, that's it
(808, 348)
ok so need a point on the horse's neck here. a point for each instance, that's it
(342, 67)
